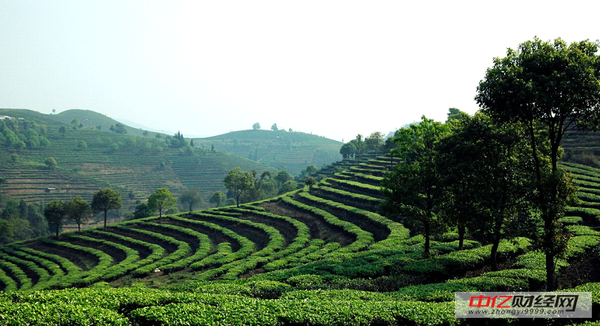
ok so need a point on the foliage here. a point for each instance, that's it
(160, 200)
(78, 210)
(412, 189)
(485, 169)
(55, 212)
(218, 198)
(550, 86)
(104, 200)
(238, 182)
(191, 197)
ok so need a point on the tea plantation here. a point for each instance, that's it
(316, 256)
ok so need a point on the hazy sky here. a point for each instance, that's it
(333, 68)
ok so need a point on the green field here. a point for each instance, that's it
(316, 256)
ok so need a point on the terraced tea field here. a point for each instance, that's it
(316, 256)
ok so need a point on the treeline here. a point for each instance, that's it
(243, 186)
(19, 134)
(20, 221)
(483, 173)
(375, 144)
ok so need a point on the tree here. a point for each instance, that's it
(287, 186)
(374, 142)
(55, 213)
(191, 197)
(238, 181)
(160, 200)
(51, 163)
(218, 198)
(554, 87)
(274, 127)
(485, 181)
(282, 176)
(82, 145)
(142, 210)
(412, 189)
(104, 200)
(78, 210)
(62, 130)
(75, 123)
(256, 126)
(348, 149)
(456, 114)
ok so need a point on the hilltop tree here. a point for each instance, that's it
(75, 124)
(412, 190)
(55, 214)
(238, 182)
(554, 87)
(348, 149)
(274, 127)
(78, 210)
(374, 142)
(456, 114)
(104, 200)
(191, 197)
(218, 198)
(256, 126)
(160, 200)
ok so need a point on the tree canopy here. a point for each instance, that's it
(104, 200)
(55, 214)
(548, 86)
(160, 200)
(412, 189)
(78, 210)
(239, 181)
(191, 197)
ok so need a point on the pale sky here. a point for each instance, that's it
(331, 68)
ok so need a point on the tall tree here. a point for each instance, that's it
(78, 210)
(191, 197)
(412, 188)
(104, 200)
(484, 171)
(160, 200)
(555, 87)
(238, 181)
(55, 214)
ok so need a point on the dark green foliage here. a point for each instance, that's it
(104, 200)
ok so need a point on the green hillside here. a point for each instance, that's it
(290, 151)
(317, 256)
(89, 158)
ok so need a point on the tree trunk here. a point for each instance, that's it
(494, 254)
(427, 235)
(461, 235)
(105, 217)
(550, 254)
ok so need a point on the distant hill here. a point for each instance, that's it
(89, 158)
(291, 151)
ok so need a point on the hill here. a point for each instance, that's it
(89, 158)
(320, 255)
(290, 151)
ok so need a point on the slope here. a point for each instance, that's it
(290, 151)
